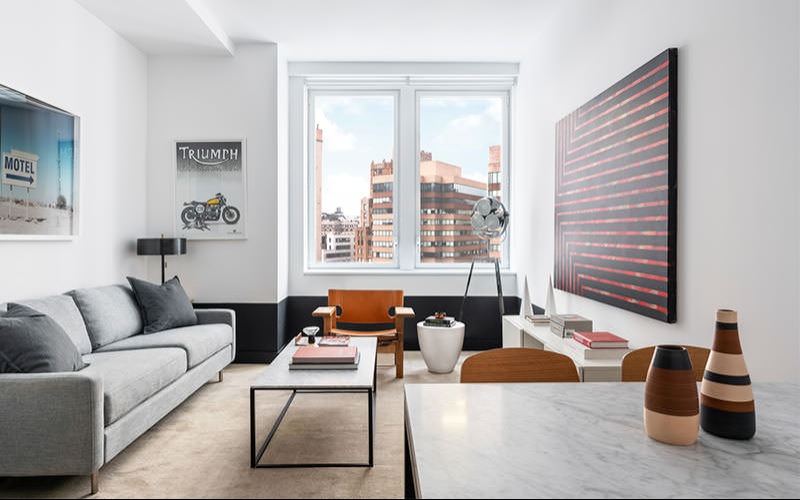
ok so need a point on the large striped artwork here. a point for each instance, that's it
(615, 195)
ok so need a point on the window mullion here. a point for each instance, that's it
(406, 176)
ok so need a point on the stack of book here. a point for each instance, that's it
(538, 319)
(439, 321)
(598, 345)
(312, 357)
(564, 324)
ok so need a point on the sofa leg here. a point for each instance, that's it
(95, 477)
(220, 375)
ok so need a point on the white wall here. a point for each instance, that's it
(57, 52)
(217, 98)
(738, 129)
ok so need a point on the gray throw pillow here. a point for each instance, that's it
(163, 306)
(32, 342)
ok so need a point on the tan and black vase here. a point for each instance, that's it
(671, 407)
(727, 408)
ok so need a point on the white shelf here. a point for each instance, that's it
(519, 332)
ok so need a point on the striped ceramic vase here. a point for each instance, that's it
(671, 412)
(727, 408)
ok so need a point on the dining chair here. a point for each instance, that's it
(636, 362)
(518, 364)
(368, 313)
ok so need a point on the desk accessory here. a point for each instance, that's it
(311, 333)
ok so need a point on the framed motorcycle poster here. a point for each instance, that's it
(210, 189)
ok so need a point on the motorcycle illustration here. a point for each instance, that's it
(199, 213)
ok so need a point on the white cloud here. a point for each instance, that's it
(333, 137)
(344, 190)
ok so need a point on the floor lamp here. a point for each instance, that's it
(490, 219)
(163, 247)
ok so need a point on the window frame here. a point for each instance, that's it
(409, 82)
(312, 91)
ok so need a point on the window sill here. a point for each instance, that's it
(483, 270)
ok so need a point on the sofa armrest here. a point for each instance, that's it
(207, 316)
(225, 316)
(51, 424)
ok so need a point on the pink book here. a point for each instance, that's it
(325, 354)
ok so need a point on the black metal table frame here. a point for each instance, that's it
(255, 457)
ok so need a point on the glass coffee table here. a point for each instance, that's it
(278, 377)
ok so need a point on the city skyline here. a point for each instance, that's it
(357, 130)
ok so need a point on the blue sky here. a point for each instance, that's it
(38, 132)
(360, 129)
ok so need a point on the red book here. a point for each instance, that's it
(326, 354)
(600, 340)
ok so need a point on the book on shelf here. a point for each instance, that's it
(327, 366)
(334, 340)
(537, 319)
(434, 321)
(312, 354)
(600, 340)
(588, 353)
(564, 325)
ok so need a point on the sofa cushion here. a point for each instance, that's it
(163, 306)
(130, 377)
(32, 342)
(63, 310)
(199, 341)
(110, 313)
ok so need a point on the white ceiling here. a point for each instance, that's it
(331, 29)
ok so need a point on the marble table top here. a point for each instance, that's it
(277, 375)
(587, 440)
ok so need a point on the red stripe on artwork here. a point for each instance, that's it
(629, 300)
(618, 105)
(616, 233)
(628, 246)
(623, 142)
(636, 274)
(610, 171)
(613, 158)
(619, 258)
(606, 196)
(622, 116)
(627, 286)
(626, 87)
(630, 206)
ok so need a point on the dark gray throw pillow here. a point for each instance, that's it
(163, 306)
(32, 342)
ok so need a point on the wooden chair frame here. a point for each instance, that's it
(519, 364)
(636, 362)
(368, 307)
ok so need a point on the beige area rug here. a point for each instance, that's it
(202, 448)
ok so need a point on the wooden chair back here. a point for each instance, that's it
(365, 306)
(636, 363)
(518, 364)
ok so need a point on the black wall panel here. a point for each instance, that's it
(263, 329)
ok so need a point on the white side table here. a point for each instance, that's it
(440, 345)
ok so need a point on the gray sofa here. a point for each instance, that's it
(72, 423)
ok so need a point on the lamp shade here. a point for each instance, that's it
(161, 246)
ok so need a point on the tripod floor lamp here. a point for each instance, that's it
(163, 247)
(490, 220)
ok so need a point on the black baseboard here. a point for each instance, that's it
(263, 329)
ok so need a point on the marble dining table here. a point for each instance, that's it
(587, 440)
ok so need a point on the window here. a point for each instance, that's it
(395, 162)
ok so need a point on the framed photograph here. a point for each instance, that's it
(616, 193)
(39, 177)
(210, 189)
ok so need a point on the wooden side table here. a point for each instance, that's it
(440, 345)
